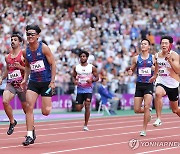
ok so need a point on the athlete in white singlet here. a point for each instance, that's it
(167, 70)
(84, 75)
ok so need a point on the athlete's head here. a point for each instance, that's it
(83, 55)
(166, 43)
(145, 45)
(32, 32)
(16, 39)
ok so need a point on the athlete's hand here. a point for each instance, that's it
(1, 81)
(89, 81)
(52, 85)
(23, 85)
(168, 56)
(17, 65)
(152, 79)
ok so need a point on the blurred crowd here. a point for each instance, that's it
(110, 30)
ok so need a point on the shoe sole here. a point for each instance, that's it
(26, 144)
(156, 125)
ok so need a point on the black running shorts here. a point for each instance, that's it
(81, 97)
(143, 88)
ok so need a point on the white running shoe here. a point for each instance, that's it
(142, 133)
(85, 128)
(157, 123)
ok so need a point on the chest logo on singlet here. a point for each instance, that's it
(15, 75)
(144, 71)
(37, 66)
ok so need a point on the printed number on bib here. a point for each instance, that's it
(144, 71)
(15, 75)
(163, 72)
(37, 66)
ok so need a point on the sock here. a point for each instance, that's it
(30, 133)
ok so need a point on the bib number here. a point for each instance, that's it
(144, 71)
(15, 76)
(37, 66)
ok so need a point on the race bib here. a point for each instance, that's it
(163, 72)
(82, 81)
(37, 66)
(15, 75)
(144, 71)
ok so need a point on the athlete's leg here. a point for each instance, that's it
(87, 111)
(137, 105)
(31, 98)
(175, 108)
(7, 97)
(147, 105)
(46, 105)
(159, 93)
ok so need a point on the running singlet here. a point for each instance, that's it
(144, 71)
(15, 75)
(83, 74)
(164, 74)
(40, 68)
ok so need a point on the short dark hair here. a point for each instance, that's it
(17, 34)
(34, 27)
(168, 38)
(145, 39)
(83, 51)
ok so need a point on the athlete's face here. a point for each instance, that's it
(15, 42)
(32, 36)
(83, 58)
(165, 45)
(145, 45)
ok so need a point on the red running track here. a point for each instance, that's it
(109, 135)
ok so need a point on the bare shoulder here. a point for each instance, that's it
(45, 48)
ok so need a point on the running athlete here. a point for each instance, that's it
(14, 73)
(84, 75)
(167, 70)
(40, 64)
(144, 90)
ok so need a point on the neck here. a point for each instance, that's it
(84, 64)
(15, 51)
(145, 53)
(33, 46)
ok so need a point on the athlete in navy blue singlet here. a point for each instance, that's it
(144, 90)
(40, 65)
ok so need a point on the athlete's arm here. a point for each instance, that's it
(95, 74)
(27, 67)
(74, 74)
(50, 58)
(174, 61)
(156, 69)
(133, 65)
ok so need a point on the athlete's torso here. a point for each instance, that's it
(15, 75)
(144, 69)
(164, 73)
(40, 68)
(84, 73)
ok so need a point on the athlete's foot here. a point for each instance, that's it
(28, 141)
(85, 128)
(157, 123)
(11, 127)
(143, 133)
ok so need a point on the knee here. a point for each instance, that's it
(136, 110)
(47, 111)
(146, 107)
(175, 111)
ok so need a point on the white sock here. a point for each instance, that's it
(30, 133)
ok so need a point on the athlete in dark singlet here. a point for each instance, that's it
(40, 65)
(144, 90)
